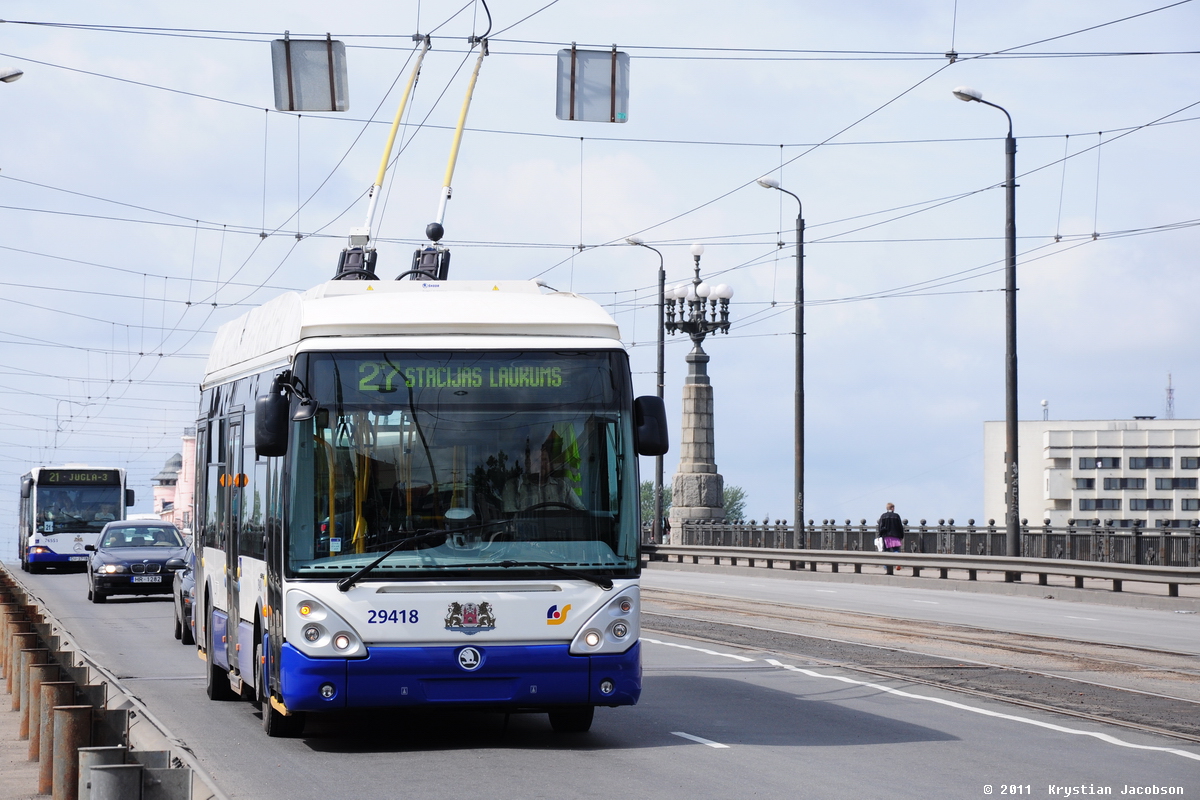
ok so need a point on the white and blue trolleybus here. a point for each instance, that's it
(62, 510)
(421, 493)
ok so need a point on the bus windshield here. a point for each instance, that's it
(82, 509)
(515, 456)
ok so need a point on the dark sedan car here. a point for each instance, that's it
(134, 557)
(184, 589)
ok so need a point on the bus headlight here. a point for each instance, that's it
(614, 628)
(317, 631)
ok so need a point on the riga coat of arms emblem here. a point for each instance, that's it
(470, 617)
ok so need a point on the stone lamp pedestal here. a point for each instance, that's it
(697, 490)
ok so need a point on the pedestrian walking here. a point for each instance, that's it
(891, 530)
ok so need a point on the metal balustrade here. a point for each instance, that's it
(1168, 547)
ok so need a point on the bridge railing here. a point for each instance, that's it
(1168, 547)
(1012, 569)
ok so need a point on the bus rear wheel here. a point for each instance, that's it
(572, 720)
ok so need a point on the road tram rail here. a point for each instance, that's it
(421, 493)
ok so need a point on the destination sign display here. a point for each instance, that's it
(381, 376)
(464, 377)
(80, 477)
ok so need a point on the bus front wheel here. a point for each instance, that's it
(276, 724)
(572, 720)
(217, 683)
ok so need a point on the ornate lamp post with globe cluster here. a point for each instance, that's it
(697, 309)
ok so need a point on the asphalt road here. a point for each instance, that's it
(715, 721)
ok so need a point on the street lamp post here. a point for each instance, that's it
(658, 460)
(697, 309)
(10, 74)
(689, 302)
(1012, 537)
(798, 493)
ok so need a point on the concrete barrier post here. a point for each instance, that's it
(72, 730)
(5, 609)
(20, 628)
(14, 622)
(90, 757)
(10, 616)
(54, 693)
(116, 782)
(29, 657)
(38, 674)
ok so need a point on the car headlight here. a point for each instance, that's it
(113, 568)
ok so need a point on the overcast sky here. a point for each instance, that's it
(139, 165)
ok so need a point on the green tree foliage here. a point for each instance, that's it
(648, 501)
(735, 504)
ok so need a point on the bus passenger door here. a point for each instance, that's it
(235, 482)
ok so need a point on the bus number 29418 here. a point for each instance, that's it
(400, 617)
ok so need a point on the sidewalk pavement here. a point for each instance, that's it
(18, 775)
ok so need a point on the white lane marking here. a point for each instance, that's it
(926, 602)
(827, 591)
(1104, 737)
(697, 649)
(1089, 619)
(717, 745)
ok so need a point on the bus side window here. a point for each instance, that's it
(213, 507)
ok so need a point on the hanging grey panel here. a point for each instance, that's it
(593, 85)
(310, 75)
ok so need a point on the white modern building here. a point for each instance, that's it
(1141, 471)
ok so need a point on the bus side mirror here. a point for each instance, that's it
(128, 498)
(650, 426)
(271, 424)
(26, 488)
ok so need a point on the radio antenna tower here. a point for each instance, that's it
(1170, 398)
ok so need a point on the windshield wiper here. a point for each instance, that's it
(603, 583)
(345, 584)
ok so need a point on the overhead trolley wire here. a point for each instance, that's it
(717, 53)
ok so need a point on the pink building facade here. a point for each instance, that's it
(175, 485)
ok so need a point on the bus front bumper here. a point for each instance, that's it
(508, 677)
(42, 555)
